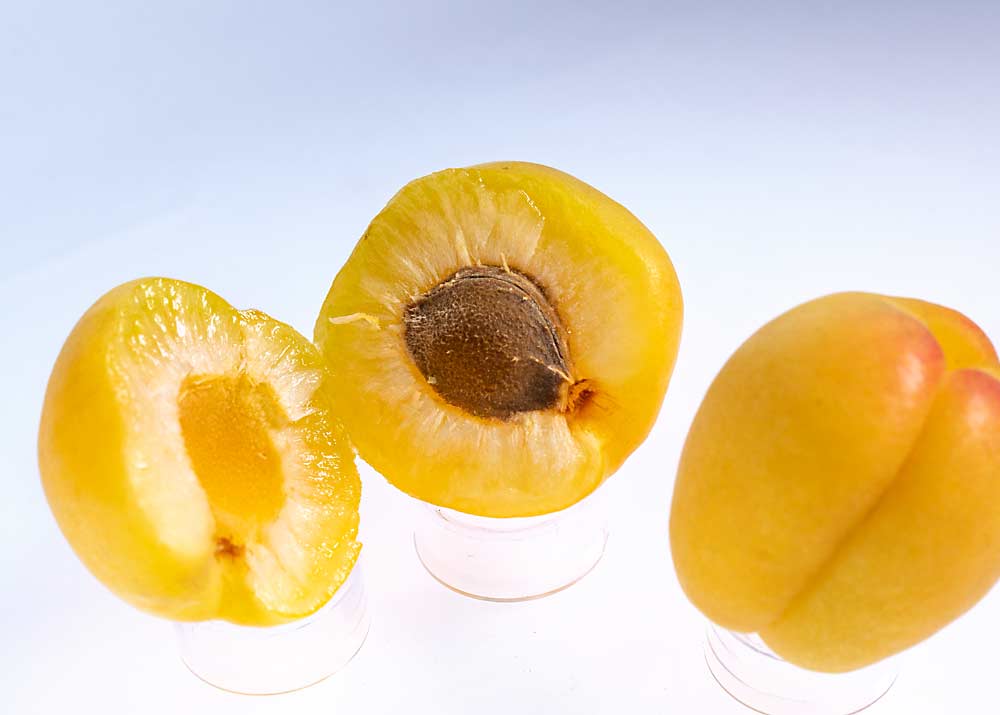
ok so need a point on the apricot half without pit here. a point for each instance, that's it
(192, 459)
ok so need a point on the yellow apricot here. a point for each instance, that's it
(501, 338)
(190, 455)
(818, 494)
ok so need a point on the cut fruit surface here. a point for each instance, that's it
(501, 338)
(837, 490)
(191, 456)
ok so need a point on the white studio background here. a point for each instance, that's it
(780, 150)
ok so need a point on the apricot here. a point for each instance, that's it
(191, 457)
(501, 338)
(838, 489)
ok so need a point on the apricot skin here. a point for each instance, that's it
(837, 491)
(126, 550)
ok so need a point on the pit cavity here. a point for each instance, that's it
(488, 340)
(225, 423)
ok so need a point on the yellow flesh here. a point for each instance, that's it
(191, 457)
(831, 491)
(606, 276)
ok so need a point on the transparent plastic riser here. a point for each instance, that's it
(512, 559)
(279, 659)
(757, 677)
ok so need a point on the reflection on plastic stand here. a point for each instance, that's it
(754, 675)
(512, 559)
(279, 659)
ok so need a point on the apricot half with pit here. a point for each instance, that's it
(501, 339)
(839, 490)
(191, 456)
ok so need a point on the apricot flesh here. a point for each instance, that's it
(837, 489)
(501, 338)
(191, 457)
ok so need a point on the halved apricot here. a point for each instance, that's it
(191, 456)
(501, 338)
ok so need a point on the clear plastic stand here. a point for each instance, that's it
(512, 559)
(754, 675)
(279, 659)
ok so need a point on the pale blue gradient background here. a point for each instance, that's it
(779, 150)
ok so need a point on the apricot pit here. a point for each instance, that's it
(488, 341)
